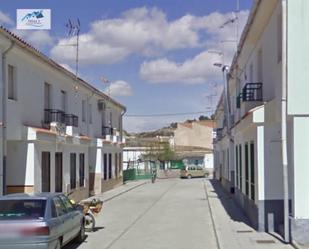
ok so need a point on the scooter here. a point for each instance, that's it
(91, 210)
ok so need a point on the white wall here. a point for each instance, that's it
(29, 107)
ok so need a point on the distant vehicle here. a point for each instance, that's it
(193, 171)
(41, 221)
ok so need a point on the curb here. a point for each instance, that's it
(125, 191)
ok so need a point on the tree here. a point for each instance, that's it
(202, 117)
(159, 151)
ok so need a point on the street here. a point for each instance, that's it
(178, 214)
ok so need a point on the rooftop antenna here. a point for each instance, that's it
(107, 82)
(73, 30)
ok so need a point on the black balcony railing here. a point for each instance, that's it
(54, 115)
(71, 120)
(252, 92)
(219, 133)
(107, 130)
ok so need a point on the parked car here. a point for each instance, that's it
(41, 221)
(193, 171)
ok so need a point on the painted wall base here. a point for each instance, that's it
(112, 183)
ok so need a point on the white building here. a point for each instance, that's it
(62, 134)
(272, 54)
(193, 142)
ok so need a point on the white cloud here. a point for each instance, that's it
(200, 68)
(37, 38)
(91, 51)
(120, 88)
(145, 31)
(5, 19)
(192, 71)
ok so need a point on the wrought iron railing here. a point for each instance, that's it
(54, 115)
(71, 120)
(252, 92)
(107, 130)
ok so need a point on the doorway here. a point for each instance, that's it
(58, 172)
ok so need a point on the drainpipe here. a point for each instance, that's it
(225, 70)
(88, 113)
(4, 118)
(284, 123)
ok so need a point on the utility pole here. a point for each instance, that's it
(74, 30)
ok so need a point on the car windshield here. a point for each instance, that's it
(22, 209)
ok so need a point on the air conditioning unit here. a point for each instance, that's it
(101, 105)
(57, 127)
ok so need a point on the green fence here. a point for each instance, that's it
(134, 174)
(177, 164)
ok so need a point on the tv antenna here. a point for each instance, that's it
(73, 30)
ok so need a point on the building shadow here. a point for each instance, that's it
(235, 212)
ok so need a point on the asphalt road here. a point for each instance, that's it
(168, 214)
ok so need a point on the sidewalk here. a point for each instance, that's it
(113, 193)
(232, 227)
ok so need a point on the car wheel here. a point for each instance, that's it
(82, 235)
(89, 222)
(189, 176)
(58, 245)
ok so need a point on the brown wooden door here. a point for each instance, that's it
(58, 172)
(45, 171)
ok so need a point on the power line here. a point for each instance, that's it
(165, 114)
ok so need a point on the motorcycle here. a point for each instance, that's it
(91, 209)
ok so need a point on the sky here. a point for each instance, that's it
(158, 55)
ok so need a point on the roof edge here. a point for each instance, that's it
(23, 44)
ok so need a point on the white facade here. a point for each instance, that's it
(48, 111)
(248, 154)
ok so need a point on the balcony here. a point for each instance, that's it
(71, 120)
(250, 97)
(252, 92)
(54, 115)
(107, 133)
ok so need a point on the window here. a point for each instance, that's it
(67, 203)
(12, 84)
(105, 167)
(252, 173)
(63, 101)
(73, 170)
(47, 96)
(111, 119)
(60, 208)
(82, 170)
(45, 171)
(83, 110)
(228, 163)
(237, 166)
(116, 165)
(120, 163)
(279, 38)
(28, 209)
(260, 65)
(240, 166)
(53, 210)
(109, 166)
(90, 113)
(251, 78)
(247, 169)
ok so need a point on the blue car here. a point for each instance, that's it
(39, 221)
